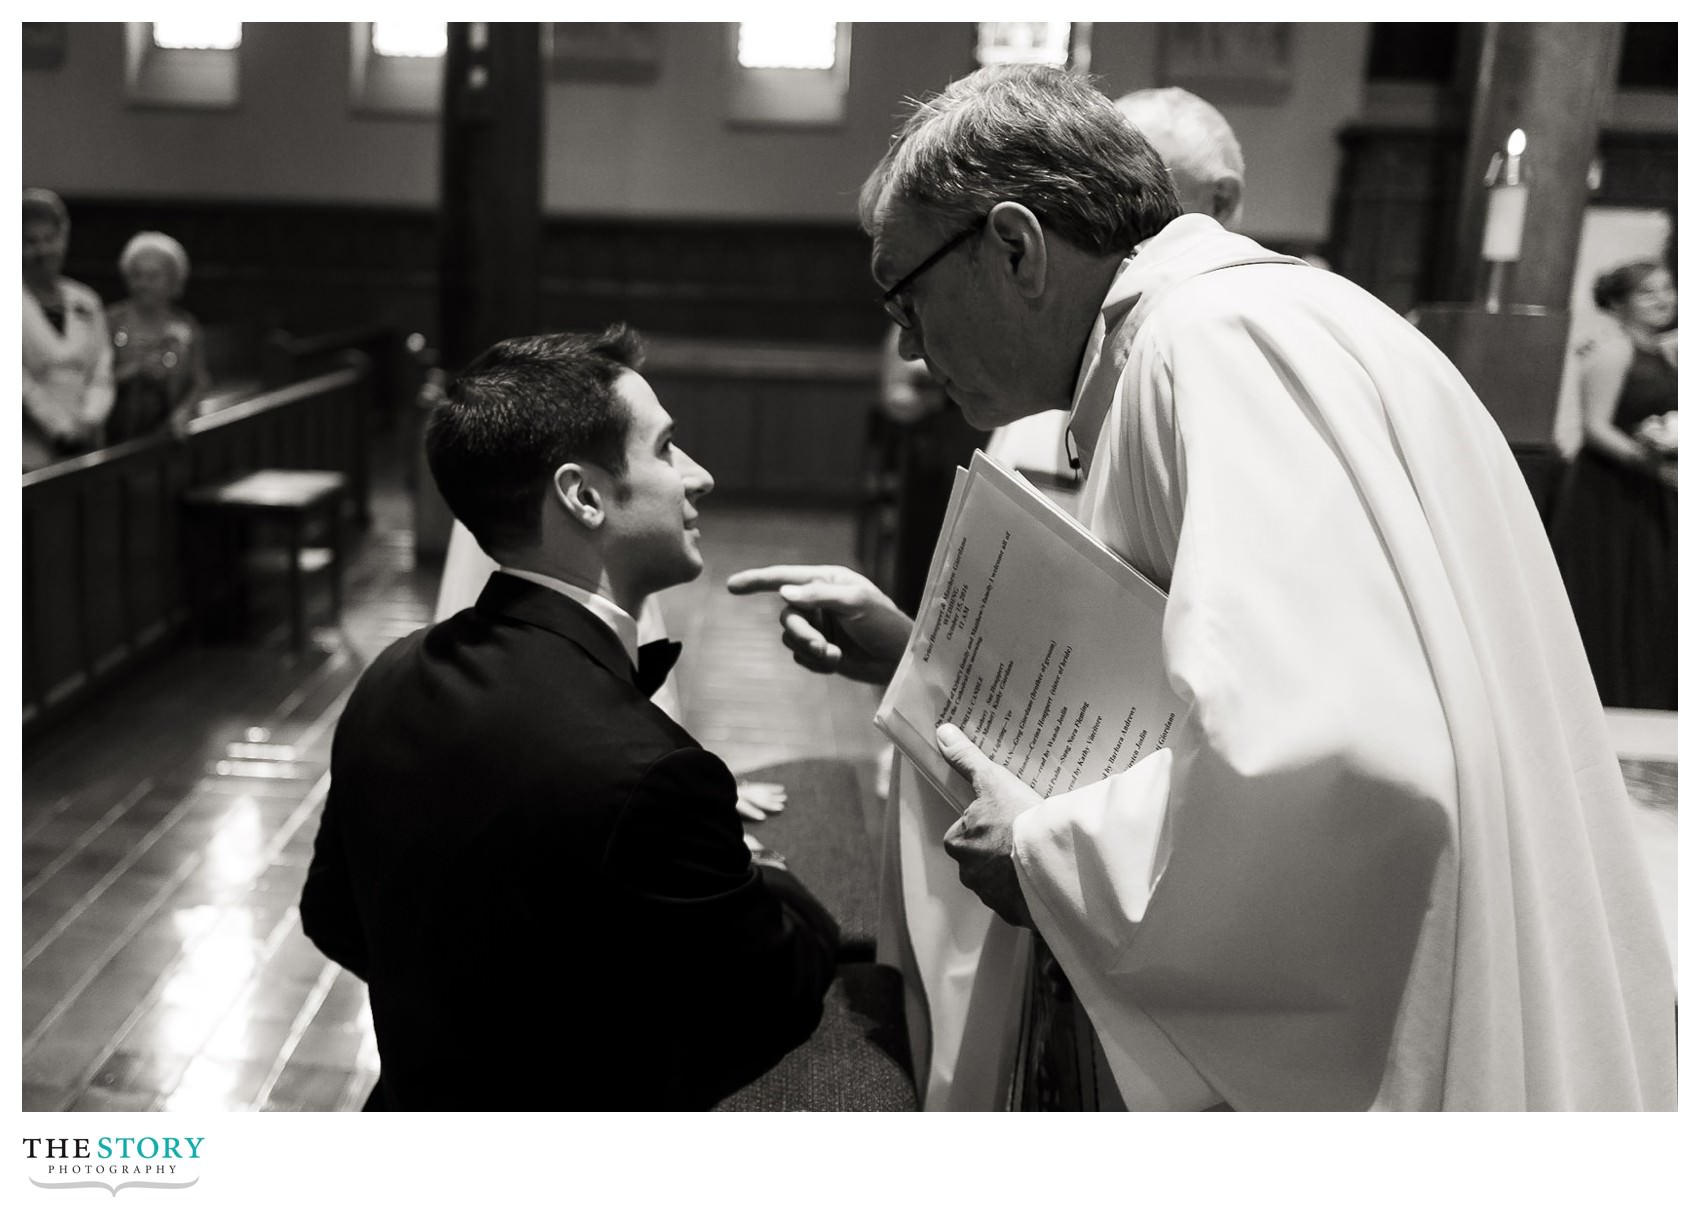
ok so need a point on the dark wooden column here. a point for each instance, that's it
(490, 217)
(489, 214)
(1554, 80)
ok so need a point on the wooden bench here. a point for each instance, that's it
(295, 500)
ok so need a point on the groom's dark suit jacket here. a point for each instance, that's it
(543, 880)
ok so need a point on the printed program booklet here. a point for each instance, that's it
(1041, 644)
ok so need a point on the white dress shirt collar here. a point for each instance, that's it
(621, 624)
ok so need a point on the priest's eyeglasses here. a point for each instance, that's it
(896, 306)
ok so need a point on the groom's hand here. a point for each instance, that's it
(983, 839)
(835, 621)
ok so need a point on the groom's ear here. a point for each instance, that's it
(580, 497)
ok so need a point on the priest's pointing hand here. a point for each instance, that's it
(835, 620)
(983, 839)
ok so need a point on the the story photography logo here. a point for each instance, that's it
(113, 1163)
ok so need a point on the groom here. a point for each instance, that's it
(540, 876)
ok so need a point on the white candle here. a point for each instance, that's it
(1508, 204)
(1502, 237)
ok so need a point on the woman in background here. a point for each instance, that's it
(161, 365)
(67, 378)
(1615, 529)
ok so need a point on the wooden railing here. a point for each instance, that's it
(103, 545)
(287, 358)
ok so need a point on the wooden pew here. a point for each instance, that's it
(103, 534)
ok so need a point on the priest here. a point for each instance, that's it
(1386, 860)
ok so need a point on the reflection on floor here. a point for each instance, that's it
(166, 832)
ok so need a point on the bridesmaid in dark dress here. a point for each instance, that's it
(1615, 530)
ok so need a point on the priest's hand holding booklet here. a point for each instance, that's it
(1036, 666)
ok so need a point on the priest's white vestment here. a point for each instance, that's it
(1386, 860)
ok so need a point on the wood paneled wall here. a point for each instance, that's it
(308, 268)
(765, 335)
(771, 423)
(104, 559)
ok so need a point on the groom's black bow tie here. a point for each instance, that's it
(655, 659)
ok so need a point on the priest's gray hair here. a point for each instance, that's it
(1040, 136)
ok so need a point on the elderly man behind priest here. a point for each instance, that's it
(1207, 169)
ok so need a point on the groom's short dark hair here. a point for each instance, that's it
(517, 412)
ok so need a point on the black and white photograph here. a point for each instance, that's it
(886, 566)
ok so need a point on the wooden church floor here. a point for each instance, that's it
(166, 831)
